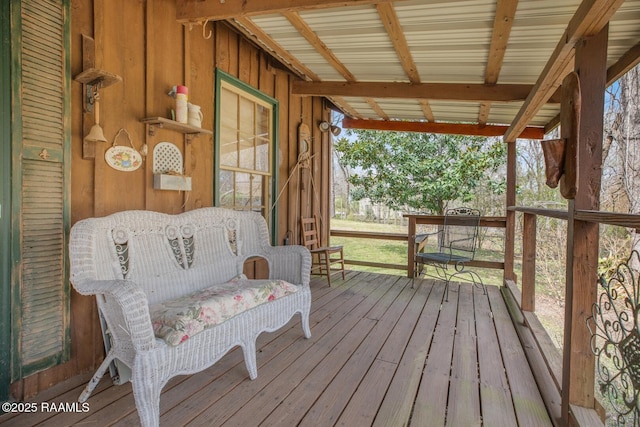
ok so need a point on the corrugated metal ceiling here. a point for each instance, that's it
(448, 41)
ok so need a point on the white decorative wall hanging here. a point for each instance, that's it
(121, 157)
(168, 168)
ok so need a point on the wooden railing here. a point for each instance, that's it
(530, 215)
(546, 360)
(415, 220)
(375, 236)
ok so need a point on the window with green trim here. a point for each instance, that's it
(245, 147)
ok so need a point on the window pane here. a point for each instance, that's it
(245, 145)
(229, 109)
(247, 116)
(247, 151)
(229, 128)
(226, 189)
(243, 190)
(263, 121)
(263, 135)
(228, 147)
(262, 155)
(256, 191)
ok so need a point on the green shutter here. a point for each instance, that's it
(5, 210)
(40, 184)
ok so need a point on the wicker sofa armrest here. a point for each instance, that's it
(124, 300)
(290, 263)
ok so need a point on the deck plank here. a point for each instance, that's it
(363, 406)
(381, 353)
(430, 407)
(495, 395)
(292, 378)
(528, 403)
(329, 406)
(395, 409)
(304, 395)
(464, 396)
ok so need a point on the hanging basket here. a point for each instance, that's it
(121, 157)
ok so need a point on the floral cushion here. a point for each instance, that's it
(176, 320)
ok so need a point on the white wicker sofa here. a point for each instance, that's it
(143, 266)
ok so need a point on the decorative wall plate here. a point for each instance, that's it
(122, 158)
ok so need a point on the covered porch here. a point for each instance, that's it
(382, 353)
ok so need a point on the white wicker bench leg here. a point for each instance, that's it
(147, 397)
(305, 321)
(249, 351)
(96, 378)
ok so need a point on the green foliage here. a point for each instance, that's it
(419, 170)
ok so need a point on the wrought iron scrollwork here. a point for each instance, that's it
(615, 340)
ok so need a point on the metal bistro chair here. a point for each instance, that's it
(322, 257)
(457, 240)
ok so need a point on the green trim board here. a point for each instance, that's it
(5, 198)
(220, 77)
(16, 180)
(40, 151)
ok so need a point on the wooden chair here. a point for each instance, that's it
(322, 257)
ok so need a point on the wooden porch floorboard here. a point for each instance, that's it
(382, 353)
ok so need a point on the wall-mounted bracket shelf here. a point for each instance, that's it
(95, 79)
(94, 76)
(161, 122)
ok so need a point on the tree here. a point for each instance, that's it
(621, 149)
(343, 178)
(419, 170)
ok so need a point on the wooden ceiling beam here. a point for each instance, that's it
(437, 91)
(391, 23)
(589, 19)
(216, 10)
(630, 59)
(444, 128)
(502, 24)
(345, 107)
(375, 107)
(314, 40)
(394, 30)
(255, 33)
(426, 110)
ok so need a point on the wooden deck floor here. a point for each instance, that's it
(381, 353)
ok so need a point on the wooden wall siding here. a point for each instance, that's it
(143, 43)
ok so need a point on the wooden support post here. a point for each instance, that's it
(411, 248)
(529, 263)
(509, 238)
(582, 237)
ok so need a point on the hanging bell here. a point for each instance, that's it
(95, 134)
